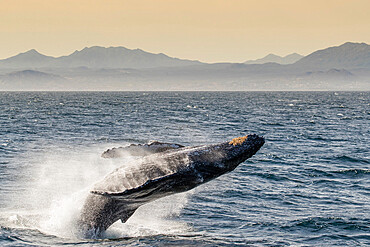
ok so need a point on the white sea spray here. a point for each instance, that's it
(60, 180)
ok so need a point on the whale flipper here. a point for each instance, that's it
(127, 215)
(140, 149)
(170, 184)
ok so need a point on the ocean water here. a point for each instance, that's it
(309, 185)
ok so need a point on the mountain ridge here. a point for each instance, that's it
(30, 58)
(272, 58)
(96, 57)
(346, 56)
(349, 55)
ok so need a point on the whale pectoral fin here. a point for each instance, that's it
(154, 189)
(127, 215)
(140, 149)
(125, 195)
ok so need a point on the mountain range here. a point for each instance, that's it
(349, 55)
(346, 56)
(95, 57)
(272, 58)
(344, 67)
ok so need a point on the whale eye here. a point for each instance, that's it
(238, 140)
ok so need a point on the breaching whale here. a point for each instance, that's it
(163, 169)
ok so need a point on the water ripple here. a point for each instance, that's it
(308, 185)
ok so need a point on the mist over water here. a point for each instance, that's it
(308, 185)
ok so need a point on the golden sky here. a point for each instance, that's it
(207, 30)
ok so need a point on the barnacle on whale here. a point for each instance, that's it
(238, 140)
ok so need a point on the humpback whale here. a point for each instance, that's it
(162, 169)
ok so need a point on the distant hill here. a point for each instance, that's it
(29, 59)
(96, 57)
(346, 56)
(31, 75)
(332, 74)
(272, 58)
(31, 80)
(119, 57)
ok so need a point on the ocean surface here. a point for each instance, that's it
(309, 185)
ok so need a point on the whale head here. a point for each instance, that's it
(241, 148)
(218, 159)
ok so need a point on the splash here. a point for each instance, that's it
(154, 219)
(59, 181)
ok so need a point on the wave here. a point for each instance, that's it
(321, 223)
(346, 158)
(351, 172)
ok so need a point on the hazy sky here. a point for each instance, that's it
(208, 30)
